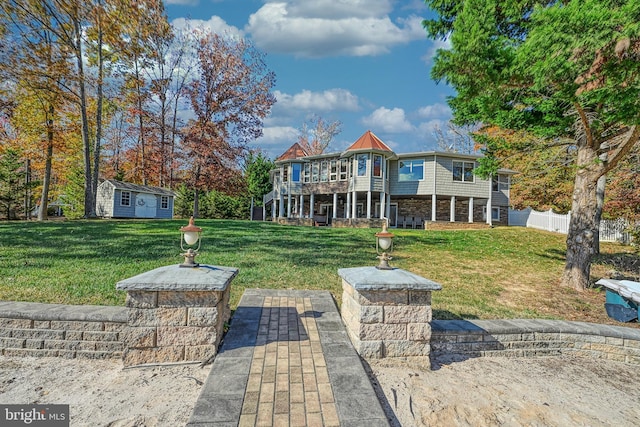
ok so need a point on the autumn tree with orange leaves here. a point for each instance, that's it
(230, 99)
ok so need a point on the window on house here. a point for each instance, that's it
(315, 172)
(333, 173)
(411, 170)
(362, 164)
(495, 214)
(125, 198)
(377, 166)
(344, 169)
(164, 202)
(296, 168)
(324, 171)
(306, 174)
(285, 173)
(500, 183)
(463, 171)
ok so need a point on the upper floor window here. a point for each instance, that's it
(463, 171)
(164, 202)
(411, 170)
(344, 169)
(333, 172)
(500, 183)
(125, 198)
(296, 169)
(324, 171)
(306, 174)
(315, 172)
(362, 164)
(377, 166)
(285, 173)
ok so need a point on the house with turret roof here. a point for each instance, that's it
(369, 183)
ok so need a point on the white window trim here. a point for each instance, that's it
(411, 160)
(463, 164)
(122, 193)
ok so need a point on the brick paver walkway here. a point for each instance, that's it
(287, 361)
(288, 382)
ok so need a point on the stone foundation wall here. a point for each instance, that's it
(357, 222)
(53, 330)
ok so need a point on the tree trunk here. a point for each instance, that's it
(89, 199)
(44, 198)
(600, 188)
(582, 226)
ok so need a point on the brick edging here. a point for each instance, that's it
(529, 338)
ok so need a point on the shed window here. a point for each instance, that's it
(463, 171)
(164, 202)
(125, 198)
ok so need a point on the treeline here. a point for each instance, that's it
(109, 89)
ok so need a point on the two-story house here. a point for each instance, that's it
(369, 182)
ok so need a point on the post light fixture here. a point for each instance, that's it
(190, 235)
(384, 242)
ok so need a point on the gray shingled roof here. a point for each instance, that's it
(127, 186)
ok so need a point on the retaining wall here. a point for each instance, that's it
(34, 329)
(532, 338)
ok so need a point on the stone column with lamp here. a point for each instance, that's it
(177, 313)
(387, 310)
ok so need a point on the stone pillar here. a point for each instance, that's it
(176, 314)
(387, 313)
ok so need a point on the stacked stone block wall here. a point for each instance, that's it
(52, 330)
(392, 323)
(534, 338)
(172, 326)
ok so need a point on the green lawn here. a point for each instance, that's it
(503, 272)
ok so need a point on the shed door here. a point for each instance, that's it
(146, 205)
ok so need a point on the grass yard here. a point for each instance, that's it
(505, 272)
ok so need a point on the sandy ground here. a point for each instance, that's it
(554, 391)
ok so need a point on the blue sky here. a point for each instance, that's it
(365, 63)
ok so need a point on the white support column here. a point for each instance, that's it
(281, 206)
(335, 205)
(289, 205)
(354, 205)
(312, 201)
(301, 207)
(434, 207)
(470, 209)
(264, 212)
(387, 212)
(452, 209)
(347, 209)
(369, 204)
(489, 207)
(383, 205)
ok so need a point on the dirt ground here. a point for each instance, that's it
(554, 391)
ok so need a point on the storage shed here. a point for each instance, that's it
(117, 199)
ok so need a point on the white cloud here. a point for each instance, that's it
(276, 135)
(437, 110)
(215, 24)
(329, 100)
(435, 45)
(330, 28)
(392, 121)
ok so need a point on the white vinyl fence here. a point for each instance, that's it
(610, 230)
